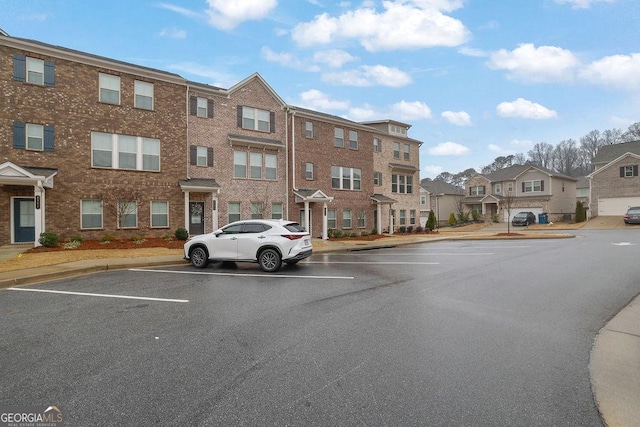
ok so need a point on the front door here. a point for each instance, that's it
(196, 218)
(24, 220)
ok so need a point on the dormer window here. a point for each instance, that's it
(397, 130)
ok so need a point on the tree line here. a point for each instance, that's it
(568, 157)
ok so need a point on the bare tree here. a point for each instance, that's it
(122, 203)
(566, 157)
(542, 155)
(632, 133)
(612, 136)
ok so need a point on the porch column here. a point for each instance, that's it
(379, 217)
(214, 211)
(390, 221)
(186, 210)
(325, 222)
(306, 216)
(38, 193)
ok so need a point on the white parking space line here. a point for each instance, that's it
(49, 291)
(371, 262)
(413, 254)
(270, 275)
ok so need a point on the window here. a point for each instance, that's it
(477, 190)
(510, 187)
(143, 95)
(239, 164)
(377, 145)
(201, 110)
(353, 139)
(345, 178)
(412, 217)
(423, 200)
(127, 152)
(35, 137)
(628, 171)
(377, 178)
(91, 214)
(109, 88)
(339, 137)
(133, 152)
(255, 119)
(308, 129)
(397, 130)
(346, 218)
(332, 216)
(200, 107)
(276, 211)
(362, 216)
(402, 184)
(31, 136)
(403, 217)
(255, 165)
(308, 172)
(531, 186)
(497, 188)
(270, 166)
(127, 214)
(201, 156)
(256, 210)
(33, 70)
(405, 149)
(233, 211)
(159, 213)
(396, 150)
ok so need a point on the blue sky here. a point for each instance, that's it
(476, 79)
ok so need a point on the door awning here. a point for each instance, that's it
(12, 174)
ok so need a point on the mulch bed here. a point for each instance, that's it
(152, 242)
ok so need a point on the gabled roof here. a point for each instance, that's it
(11, 173)
(608, 153)
(613, 162)
(382, 199)
(256, 76)
(311, 194)
(328, 117)
(199, 185)
(441, 187)
(583, 182)
(513, 172)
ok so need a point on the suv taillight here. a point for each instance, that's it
(293, 236)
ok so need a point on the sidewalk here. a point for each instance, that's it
(615, 357)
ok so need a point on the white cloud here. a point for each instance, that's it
(226, 15)
(363, 114)
(448, 149)
(335, 58)
(525, 109)
(432, 170)
(316, 100)
(496, 148)
(540, 65)
(459, 118)
(369, 75)
(619, 71)
(287, 60)
(582, 4)
(473, 52)
(423, 26)
(216, 78)
(174, 33)
(410, 111)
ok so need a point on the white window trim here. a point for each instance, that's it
(102, 85)
(101, 214)
(135, 214)
(151, 204)
(35, 66)
(140, 153)
(143, 90)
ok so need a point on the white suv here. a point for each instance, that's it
(267, 242)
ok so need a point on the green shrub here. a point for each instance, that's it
(374, 230)
(138, 240)
(76, 239)
(107, 238)
(463, 217)
(182, 233)
(452, 219)
(48, 240)
(495, 218)
(475, 215)
(337, 233)
(353, 234)
(431, 221)
(364, 233)
(581, 213)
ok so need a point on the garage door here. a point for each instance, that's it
(614, 206)
(514, 211)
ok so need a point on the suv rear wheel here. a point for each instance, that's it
(270, 260)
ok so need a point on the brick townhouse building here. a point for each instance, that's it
(92, 146)
(89, 146)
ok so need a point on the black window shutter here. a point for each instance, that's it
(210, 108)
(523, 187)
(541, 185)
(49, 73)
(19, 135)
(19, 67)
(272, 122)
(239, 110)
(48, 138)
(193, 154)
(470, 190)
(209, 156)
(621, 171)
(484, 189)
(193, 105)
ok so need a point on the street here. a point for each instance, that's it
(495, 332)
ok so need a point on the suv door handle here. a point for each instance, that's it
(261, 237)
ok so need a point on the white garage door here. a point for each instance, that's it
(614, 206)
(514, 211)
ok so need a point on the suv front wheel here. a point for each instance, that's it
(199, 257)
(270, 260)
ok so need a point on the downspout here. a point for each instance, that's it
(187, 130)
(293, 150)
(286, 159)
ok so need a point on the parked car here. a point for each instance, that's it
(632, 216)
(523, 218)
(267, 242)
